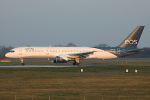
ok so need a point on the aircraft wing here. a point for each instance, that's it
(80, 55)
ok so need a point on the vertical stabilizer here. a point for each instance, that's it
(133, 39)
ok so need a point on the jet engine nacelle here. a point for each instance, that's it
(59, 60)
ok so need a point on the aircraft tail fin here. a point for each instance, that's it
(132, 40)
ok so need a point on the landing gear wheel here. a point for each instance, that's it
(77, 63)
(22, 64)
(74, 63)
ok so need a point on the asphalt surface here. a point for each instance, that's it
(38, 66)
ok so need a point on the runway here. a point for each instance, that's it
(39, 66)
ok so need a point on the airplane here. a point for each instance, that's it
(65, 54)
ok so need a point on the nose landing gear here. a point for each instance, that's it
(22, 63)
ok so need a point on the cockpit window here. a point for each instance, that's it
(11, 51)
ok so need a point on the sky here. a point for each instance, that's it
(82, 22)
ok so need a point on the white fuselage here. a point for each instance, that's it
(52, 52)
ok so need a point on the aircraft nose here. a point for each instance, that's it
(7, 55)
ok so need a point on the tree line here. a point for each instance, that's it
(145, 53)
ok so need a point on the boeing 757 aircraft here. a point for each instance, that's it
(65, 54)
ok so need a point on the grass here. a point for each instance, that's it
(95, 83)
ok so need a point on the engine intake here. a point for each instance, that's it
(59, 60)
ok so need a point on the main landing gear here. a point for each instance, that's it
(22, 63)
(76, 62)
